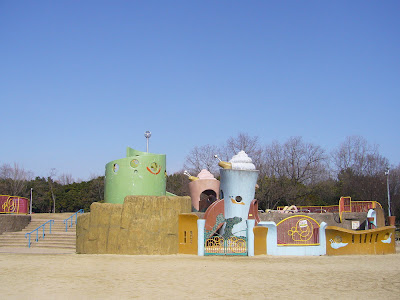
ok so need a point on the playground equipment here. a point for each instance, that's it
(232, 224)
(230, 232)
(139, 173)
(140, 217)
(13, 205)
(204, 190)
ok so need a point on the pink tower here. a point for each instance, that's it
(204, 190)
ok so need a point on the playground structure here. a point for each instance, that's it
(139, 216)
(142, 225)
(139, 173)
(204, 190)
(13, 205)
(351, 227)
(220, 217)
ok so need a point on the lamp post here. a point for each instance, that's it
(388, 191)
(30, 204)
(147, 135)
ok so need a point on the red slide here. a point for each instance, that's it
(218, 208)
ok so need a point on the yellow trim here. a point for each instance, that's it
(281, 207)
(359, 231)
(295, 216)
(374, 203)
(298, 245)
(235, 202)
(341, 212)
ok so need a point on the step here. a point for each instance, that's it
(40, 233)
(59, 238)
(48, 230)
(71, 240)
(24, 244)
(41, 243)
(51, 216)
(53, 233)
(53, 244)
(57, 224)
(71, 247)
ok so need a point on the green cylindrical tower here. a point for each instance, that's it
(139, 173)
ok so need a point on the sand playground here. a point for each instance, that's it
(89, 276)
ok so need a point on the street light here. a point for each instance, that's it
(147, 135)
(30, 206)
(388, 191)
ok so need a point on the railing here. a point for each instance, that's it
(37, 232)
(355, 206)
(72, 217)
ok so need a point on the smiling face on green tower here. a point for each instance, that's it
(154, 168)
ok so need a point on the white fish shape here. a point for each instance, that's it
(388, 240)
(335, 245)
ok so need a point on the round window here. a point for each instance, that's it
(134, 163)
(154, 167)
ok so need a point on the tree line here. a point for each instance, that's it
(300, 173)
(291, 173)
(51, 193)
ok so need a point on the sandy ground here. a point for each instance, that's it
(82, 276)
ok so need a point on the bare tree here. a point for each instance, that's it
(360, 169)
(15, 178)
(202, 158)
(289, 171)
(247, 143)
(296, 160)
(357, 154)
(65, 179)
(274, 160)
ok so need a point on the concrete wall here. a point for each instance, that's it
(11, 223)
(145, 225)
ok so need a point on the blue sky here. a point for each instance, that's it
(82, 80)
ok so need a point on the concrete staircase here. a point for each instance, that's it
(58, 241)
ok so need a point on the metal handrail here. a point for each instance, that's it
(37, 232)
(71, 217)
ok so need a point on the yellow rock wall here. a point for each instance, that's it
(146, 225)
